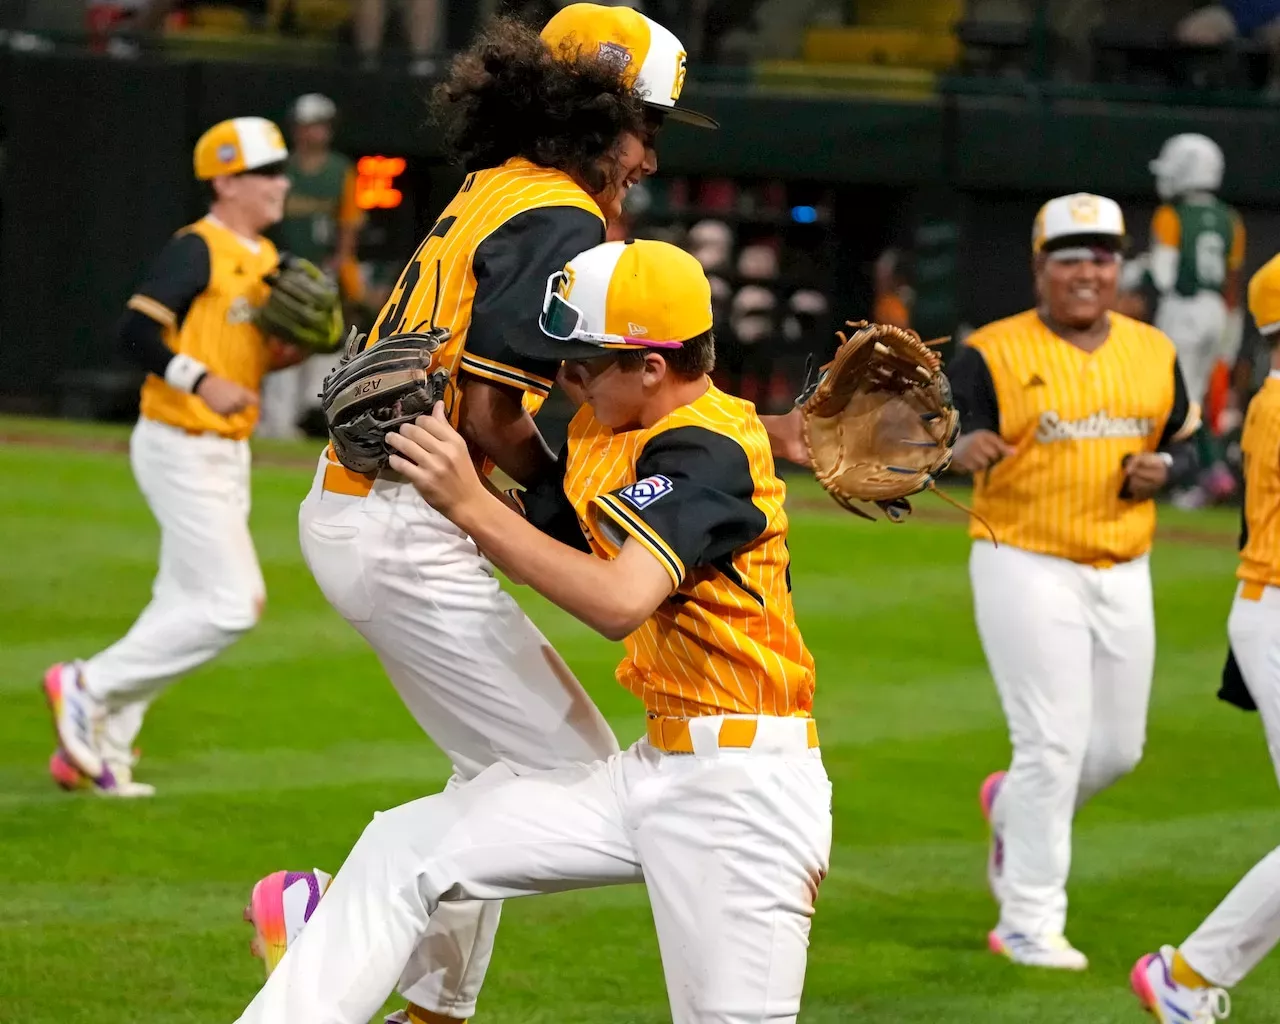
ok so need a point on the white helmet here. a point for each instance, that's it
(1187, 163)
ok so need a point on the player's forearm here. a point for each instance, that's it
(583, 585)
(1164, 267)
(495, 423)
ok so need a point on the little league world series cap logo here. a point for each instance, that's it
(644, 493)
(614, 54)
(227, 152)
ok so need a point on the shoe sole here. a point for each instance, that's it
(266, 913)
(1141, 986)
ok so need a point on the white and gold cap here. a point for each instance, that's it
(652, 58)
(640, 294)
(239, 145)
(1076, 217)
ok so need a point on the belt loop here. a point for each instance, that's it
(704, 734)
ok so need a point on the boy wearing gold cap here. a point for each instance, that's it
(666, 530)
(191, 326)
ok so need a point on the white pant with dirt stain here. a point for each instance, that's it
(209, 589)
(731, 843)
(1072, 650)
(474, 671)
(1245, 926)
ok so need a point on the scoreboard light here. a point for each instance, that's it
(375, 182)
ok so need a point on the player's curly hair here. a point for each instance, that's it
(509, 95)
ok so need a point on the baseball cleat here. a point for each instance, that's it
(280, 905)
(65, 774)
(1037, 950)
(1169, 1002)
(75, 718)
(995, 850)
(118, 782)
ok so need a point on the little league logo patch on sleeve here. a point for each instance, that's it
(644, 493)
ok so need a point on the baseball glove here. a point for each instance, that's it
(373, 390)
(304, 307)
(878, 421)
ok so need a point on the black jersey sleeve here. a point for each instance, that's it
(512, 266)
(548, 508)
(974, 391)
(172, 282)
(1184, 417)
(691, 504)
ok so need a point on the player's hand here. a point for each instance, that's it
(225, 397)
(1144, 475)
(786, 437)
(979, 450)
(435, 459)
(282, 354)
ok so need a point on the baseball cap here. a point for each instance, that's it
(652, 58)
(1264, 296)
(239, 145)
(313, 108)
(1070, 218)
(641, 294)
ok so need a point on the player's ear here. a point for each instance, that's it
(655, 368)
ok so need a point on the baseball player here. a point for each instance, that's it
(1067, 415)
(1186, 985)
(674, 541)
(191, 326)
(556, 133)
(1197, 254)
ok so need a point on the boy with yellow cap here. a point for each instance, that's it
(665, 529)
(1187, 985)
(190, 325)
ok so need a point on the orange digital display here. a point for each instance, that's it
(375, 182)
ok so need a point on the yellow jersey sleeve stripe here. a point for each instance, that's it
(502, 374)
(640, 530)
(149, 307)
(1190, 425)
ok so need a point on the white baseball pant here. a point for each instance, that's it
(1245, 926)
(1198, 326)
(1072, 650)
(474, 671)
(209, 588)
(732, 845)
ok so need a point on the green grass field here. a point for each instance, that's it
(277, 754)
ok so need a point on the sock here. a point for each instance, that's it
(417, 1015)
(1184, 974)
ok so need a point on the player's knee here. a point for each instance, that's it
(238, 612)
(1049, 764)
(1117, 761)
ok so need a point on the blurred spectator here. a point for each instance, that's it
(893, 295)
(422, 26)
(1232, 19)
(322, 224)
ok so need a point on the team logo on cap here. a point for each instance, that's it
(226, 152)
(644, 493)
(614, 53)
(1084, 209)
(636, 330)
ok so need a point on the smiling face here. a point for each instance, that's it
(633, 159)
(1078, 292)
(258, 199)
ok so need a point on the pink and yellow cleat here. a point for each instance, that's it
(995, 851)
(280, 905)
(1168, 1001)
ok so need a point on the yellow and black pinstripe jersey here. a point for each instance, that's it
(698, 491)
(1260, 442)
(482, 269)
(1072, 417)
(203, 290)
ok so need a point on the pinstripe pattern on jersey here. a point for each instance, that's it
(1260, 441)
(218, 330)
(441, 277)
(1072, 417)
(713, 648)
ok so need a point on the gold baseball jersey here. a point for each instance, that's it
(698, 491)
(1072, 417)
(203, 290)
(1260, 442)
